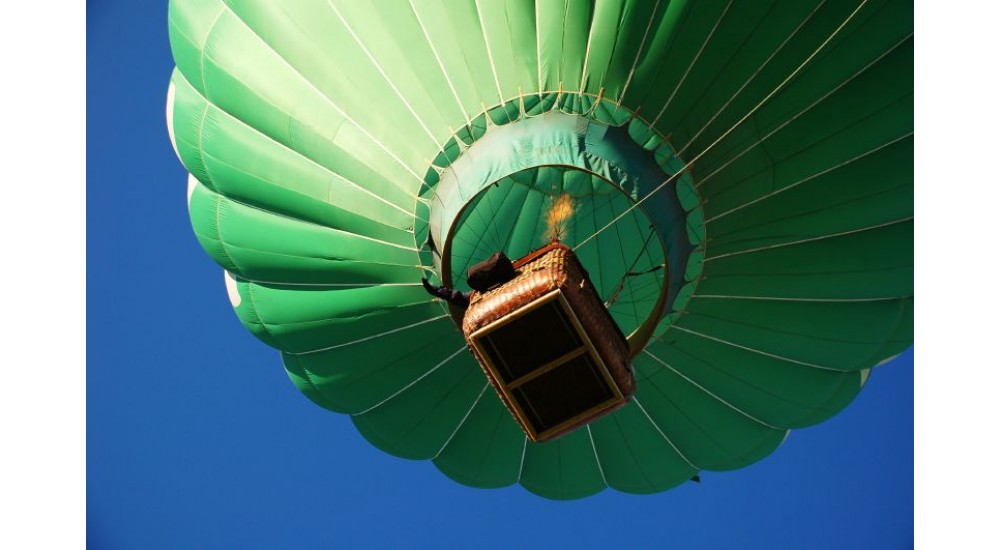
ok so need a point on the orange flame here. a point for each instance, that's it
(558, 215)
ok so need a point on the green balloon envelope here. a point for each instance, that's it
(741, 175)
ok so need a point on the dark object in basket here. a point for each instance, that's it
(549, 346)
(491, 272)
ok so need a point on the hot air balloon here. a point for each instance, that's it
(741, 182)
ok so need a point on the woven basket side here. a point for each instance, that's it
(554, 268)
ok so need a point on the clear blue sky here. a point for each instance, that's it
(197, 439)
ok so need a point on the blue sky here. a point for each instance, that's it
(197, 439)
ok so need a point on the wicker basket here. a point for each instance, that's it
(549, 346)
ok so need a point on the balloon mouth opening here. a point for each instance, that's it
(529, 209)
(565, 177)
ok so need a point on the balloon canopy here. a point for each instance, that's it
(739, 176)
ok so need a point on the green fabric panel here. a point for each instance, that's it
(508, 29)
(797, 224)
(260, 246)
(203, 206)
(403, 53)
(707, 57)
(283, 199)
(549, 19)
(708, 433)
(879, 101)
(872, 36)
(780, 393)
(872, 189)
(673, 49)
(867, 264)
(534, 105)
(233, 56)
(303, 382)
(359, 376)
(228, 143)
(573, 28)
(189, 113)
(350, 77)
(504, 114)
(523, 29)
(821, 99)
(901, 339)
(734, 185)
(832, 335)
(610, 245)
(481, 235)
(488, 224)
(631, 253)
(454, 30)
(341, 90)
(756, 32)
(841, 397)
(602, 38)
(663, 33)
(814, 30)
(307, 320)
(817, 280)
(613, 57)
(525, 229)
(688, 196)
(563, 469)
(418, 422)
(696, 264)
(189, 25)
(802, 159)
(265, 173)
(695, 226)
(486, 450)
(634, 456)
(265, 93)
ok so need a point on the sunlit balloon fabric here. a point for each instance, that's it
(742, 184)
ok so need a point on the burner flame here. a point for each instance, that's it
(558, 216)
